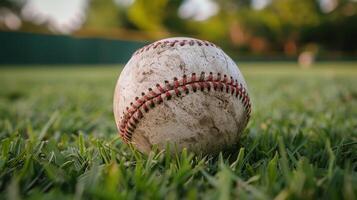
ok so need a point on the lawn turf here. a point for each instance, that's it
(58, 139)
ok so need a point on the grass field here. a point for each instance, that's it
(58, 139)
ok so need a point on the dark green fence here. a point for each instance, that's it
(26, 48)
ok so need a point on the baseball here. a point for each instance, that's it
(184, 92)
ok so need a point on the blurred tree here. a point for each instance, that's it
(286, 26)
(171, 20)
(276, 27)
(102, 14)
(293, 15)
(214, 29)
(9, 8)
(149, 16)
(233, 5)
(337, 29)
(210, 26)
(13, 5)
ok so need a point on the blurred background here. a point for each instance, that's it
(108, 31)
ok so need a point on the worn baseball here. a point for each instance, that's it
(182, 93)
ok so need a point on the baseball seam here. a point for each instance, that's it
(172, 43)
(134, 112)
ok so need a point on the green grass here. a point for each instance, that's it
(58, 139)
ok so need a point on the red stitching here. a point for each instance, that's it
(172, 43)
(148, 101)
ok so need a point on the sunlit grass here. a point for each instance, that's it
(58, 139)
